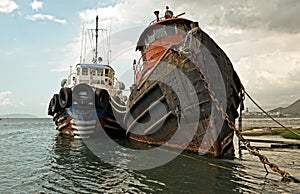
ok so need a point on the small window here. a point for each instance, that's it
(85, 71)
(151, 37)
(100, 72)
(146, 43)
(106, 72)
(170, 29)
(78, 71)
(180, 29)
(93, 72)
(159, 33)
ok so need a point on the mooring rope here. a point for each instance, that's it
(297, 134)
(252, 150)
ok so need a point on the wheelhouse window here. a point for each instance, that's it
(85, 71)
(146, 43)
(181, 29)
(99, 72)
(106, 72)
(162, 31)
(159, 33)
(78, 71)
(170, 29)
(93, 71)
(151, 37)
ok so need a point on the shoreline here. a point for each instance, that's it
(271, 131)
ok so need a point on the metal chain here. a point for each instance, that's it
(264, 160)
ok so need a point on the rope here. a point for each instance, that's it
(252, 150)
(297, 134)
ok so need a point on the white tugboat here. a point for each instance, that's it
(89, 95)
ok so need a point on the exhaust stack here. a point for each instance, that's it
(157, 15)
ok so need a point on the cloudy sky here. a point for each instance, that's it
(41, 39)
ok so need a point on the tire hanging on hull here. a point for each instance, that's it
(65, 97)
(101, 99)
(83, 94)
(54, 104)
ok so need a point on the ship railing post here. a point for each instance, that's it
(239, 141)
(241, 122)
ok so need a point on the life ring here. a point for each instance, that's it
(55, 106)
(65, 97)
(101, 99)
(83, 89)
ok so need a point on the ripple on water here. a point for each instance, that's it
(35, 159)
(74, 168)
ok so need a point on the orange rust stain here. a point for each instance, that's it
(154, 52)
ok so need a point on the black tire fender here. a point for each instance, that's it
(49, 108)
(65, 97)
(83, 88)
(55, 106)
(101, 98)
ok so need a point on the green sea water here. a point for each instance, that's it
(35, 159)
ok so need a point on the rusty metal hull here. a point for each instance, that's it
(155, 91)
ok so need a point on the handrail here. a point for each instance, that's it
(155, 20)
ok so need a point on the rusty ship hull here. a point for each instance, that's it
(192, 65)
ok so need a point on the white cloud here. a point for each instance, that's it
(7, 6)
(276, 15)
(71, 56)
(36, 5)
(262, 46)
(267, 63)
(42, 17)
(125, 13)
(272, 78)
(121, 19)
(4, 98)
(126, 26)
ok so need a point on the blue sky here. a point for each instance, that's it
(31, 48)
(40, 39)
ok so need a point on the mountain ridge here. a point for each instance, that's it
(18, 116)
(293, 109)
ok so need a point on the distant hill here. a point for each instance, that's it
(293, 109)
(18, 116)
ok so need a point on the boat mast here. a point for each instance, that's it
(96, 51)
(82, 41)
(108, 44)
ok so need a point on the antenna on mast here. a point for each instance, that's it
(108, 42)
(82, 40)
(96, 52)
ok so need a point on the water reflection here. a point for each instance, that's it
(190, 174)
(35, 159)
(74, 168)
